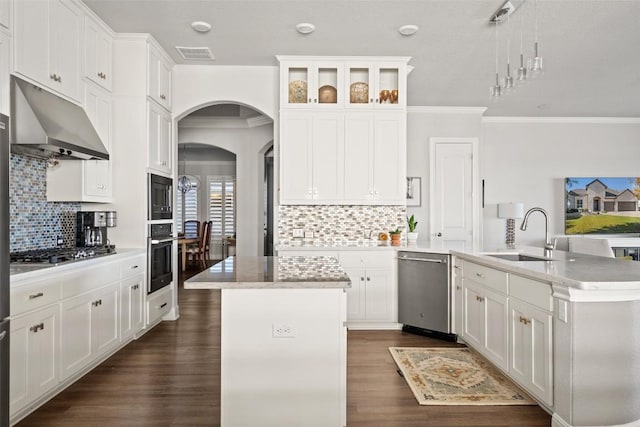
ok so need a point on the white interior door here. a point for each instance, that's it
(453, 208)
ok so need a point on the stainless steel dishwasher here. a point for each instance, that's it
(424, 294)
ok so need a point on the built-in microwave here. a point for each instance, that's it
(160, 197)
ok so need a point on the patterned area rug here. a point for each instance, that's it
(455, 376)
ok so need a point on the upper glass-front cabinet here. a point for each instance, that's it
(343, 82)
(312, 85)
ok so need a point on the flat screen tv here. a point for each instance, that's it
(602, 205)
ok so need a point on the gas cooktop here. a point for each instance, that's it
(58, 255)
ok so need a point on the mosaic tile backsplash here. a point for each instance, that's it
(34, 222)
(338, 224)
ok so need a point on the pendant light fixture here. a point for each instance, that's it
(496, 90)
(535, 64)
(522, 71)
(507, 82)
(184, 183)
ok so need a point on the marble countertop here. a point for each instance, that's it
(247, 272)
(585, 272)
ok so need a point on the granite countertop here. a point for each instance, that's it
(27, 271)
(246, 272)
(375, 245)
(586, 272)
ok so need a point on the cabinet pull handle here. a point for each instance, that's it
(456, 267)
(163, 305)
(38, 295)
(480, 299)
(133, 267)
(525, 320)
(480, 275)
(457, 288)
(36, 328)
(53, 77)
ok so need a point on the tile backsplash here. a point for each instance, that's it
(338, 224)
(34, 222)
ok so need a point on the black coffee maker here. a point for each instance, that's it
(91, 228)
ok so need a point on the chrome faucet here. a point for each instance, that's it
(548, 246)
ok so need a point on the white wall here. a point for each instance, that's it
(526, 160)
(196, 86)
(422, 124)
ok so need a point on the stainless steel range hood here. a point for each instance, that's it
(43, 124)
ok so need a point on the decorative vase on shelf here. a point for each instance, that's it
(412, 237)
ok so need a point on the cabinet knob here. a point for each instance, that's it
(368, 279)
(163, 97)
(480, 275)
(362, 279)
(457, 288)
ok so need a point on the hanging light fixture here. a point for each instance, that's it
(496, 90)
(184, 183)
(535, 64)
(507, 82)
(522, 71)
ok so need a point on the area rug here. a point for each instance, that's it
(455, 376)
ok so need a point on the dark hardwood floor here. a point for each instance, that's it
(171, 377)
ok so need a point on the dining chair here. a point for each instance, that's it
(198, 252)
(191, 227)
(207, 243)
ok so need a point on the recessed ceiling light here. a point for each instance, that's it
(408, 30)
(201, 26)
(305, 28)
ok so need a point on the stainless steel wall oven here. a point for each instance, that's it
(160, 197)
(159, 256)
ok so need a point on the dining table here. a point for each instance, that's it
(185, 240)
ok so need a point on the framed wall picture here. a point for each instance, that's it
(414, 191)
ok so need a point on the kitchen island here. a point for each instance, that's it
(283, 340)
(565, 328)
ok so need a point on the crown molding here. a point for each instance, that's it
(561, 120)
(446, 110)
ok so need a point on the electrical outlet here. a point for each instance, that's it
(298, 232)
(308, 234)
(282, 330)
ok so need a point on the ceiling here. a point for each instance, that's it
(590, 47)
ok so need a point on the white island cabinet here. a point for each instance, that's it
(283, 340)
(557, 310)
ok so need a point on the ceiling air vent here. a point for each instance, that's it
(196, 53)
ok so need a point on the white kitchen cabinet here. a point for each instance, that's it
(486, 321)
(159, 78)
(89, 327)
(458, 297)
(5, 70)
(6, 7)
(311, 147)
(160, 149)
(375, 157)
(158, 305)
(371, 299)
(47, 44)
(315, 84)
(377, 84)
(531, 337)
(97, 53)
(131, 306)
(86, 180)
(33, 356)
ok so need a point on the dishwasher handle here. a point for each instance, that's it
(436, 261)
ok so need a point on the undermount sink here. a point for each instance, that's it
(518, 257)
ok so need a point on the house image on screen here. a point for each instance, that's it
(597, 197)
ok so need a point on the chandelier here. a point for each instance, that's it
(184, 183)
(533, 66)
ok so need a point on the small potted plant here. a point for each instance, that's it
(395, 237)
(412, 235)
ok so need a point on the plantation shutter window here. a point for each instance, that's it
(222, 206)
(187, 205)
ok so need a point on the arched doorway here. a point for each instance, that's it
(247, 134)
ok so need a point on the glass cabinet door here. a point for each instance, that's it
(387, 89)
(359, 83)
(297, 86)
(313, 85)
